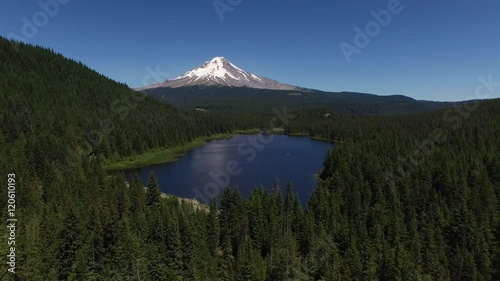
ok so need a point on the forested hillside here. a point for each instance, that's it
(237, 100)
(413, 198)
(51, 104)
(399, 198)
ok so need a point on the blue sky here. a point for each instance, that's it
(432, 50)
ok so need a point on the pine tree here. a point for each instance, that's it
(213, 228)
(70, 242)
(153, 194)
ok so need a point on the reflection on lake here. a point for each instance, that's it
(244, 161)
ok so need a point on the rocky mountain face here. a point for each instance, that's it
(221, 72)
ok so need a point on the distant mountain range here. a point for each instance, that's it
(220, 86)
(221, 72)
(236, 100)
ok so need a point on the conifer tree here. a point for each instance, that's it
(153, 192)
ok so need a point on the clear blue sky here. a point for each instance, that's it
(431, 50)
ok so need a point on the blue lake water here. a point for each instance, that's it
(245, 161)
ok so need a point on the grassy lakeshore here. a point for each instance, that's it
(274, 131)
(160, 156)
(171, 154)
(313, 138)
(299, 134)
(325, 139)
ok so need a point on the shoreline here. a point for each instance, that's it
(161, 156)
(169, 155)
(197, 205)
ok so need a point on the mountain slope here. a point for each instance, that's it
(248, 100)
(50, 102)
(221, 72)
(220, 86)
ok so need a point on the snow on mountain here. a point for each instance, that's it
(221, 72)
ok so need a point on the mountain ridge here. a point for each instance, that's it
(247, 100)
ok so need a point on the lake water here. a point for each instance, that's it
(245, 161)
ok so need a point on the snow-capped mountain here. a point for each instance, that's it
(221, 72)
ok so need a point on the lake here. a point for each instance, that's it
(245, 161)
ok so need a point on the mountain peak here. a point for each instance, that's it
(217, 59)
(221, 72)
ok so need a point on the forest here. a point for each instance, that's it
(408, 197)
(231, 101)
